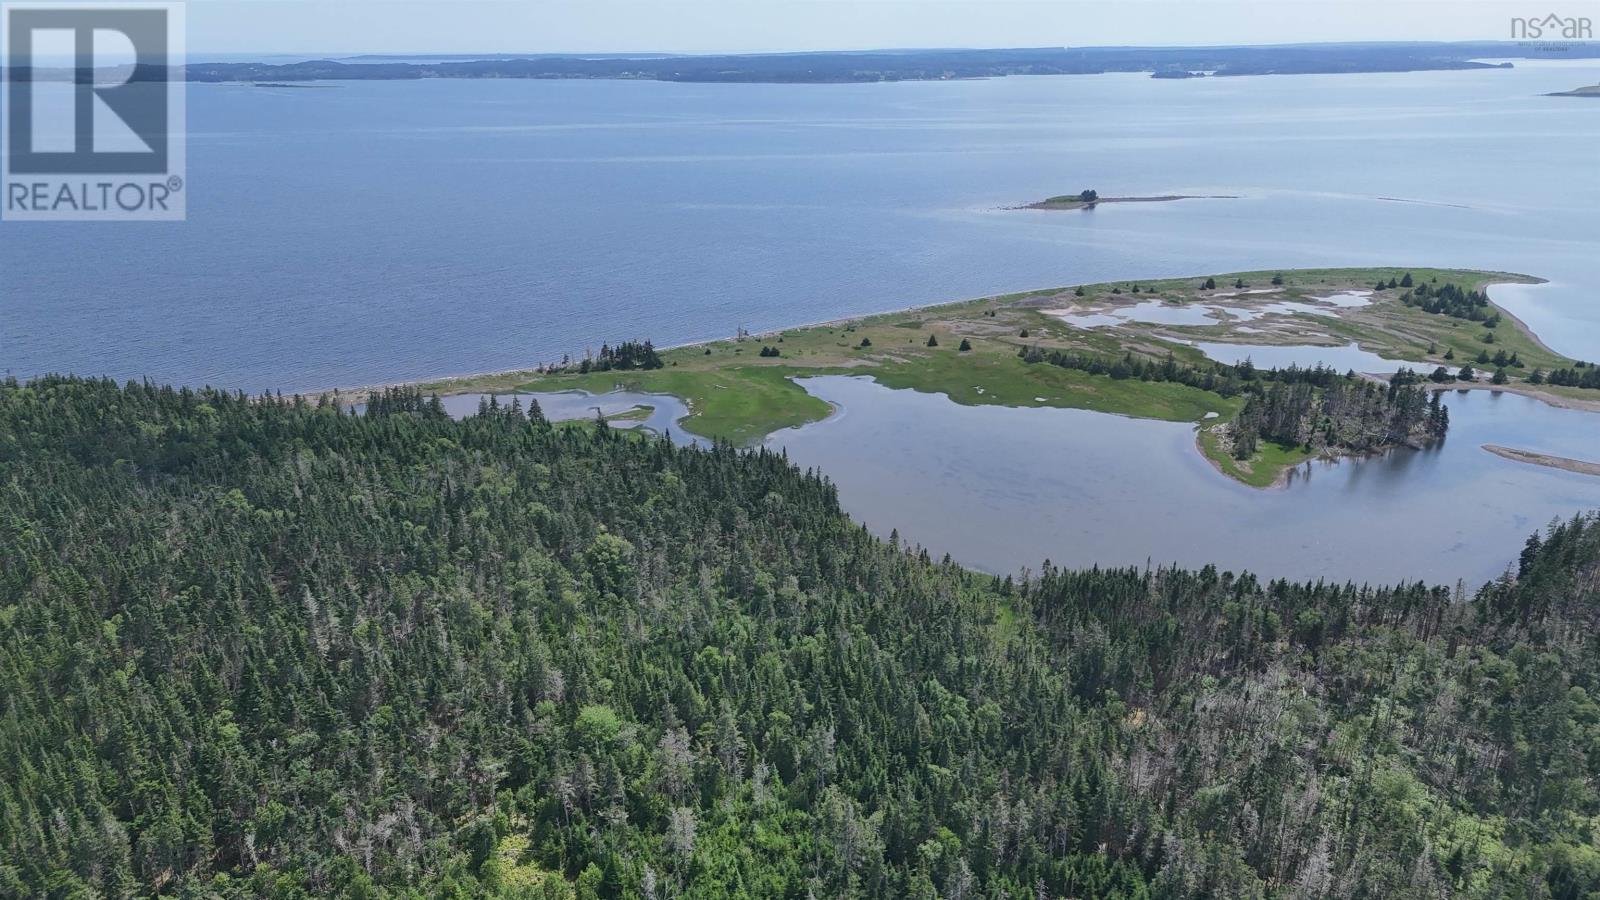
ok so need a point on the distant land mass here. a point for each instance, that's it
(910, 65)
(1592, 90)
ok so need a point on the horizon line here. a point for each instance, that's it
(661, 54)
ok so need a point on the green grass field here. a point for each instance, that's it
(746, 398)
(738, 403)
(1262, 470)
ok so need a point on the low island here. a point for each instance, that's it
(1128, 348)
(1090, 199)
(1592, 90)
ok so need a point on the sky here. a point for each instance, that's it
(331, 27)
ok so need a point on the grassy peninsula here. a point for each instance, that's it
(743, 389)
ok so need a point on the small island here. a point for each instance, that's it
(1592, 90)
(1090, 199)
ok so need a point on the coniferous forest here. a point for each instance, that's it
(1349, 414)
(1314, 407)
(257, 647)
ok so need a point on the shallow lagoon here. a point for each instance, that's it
(1163, 312)
(1152, 312)
(665, 410)
(1268, 356)
(1001, 489)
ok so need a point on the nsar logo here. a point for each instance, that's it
(1551, 27)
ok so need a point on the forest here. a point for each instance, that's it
(1348, 414)
(1582, 375)
(1219, 378)
(625, 356)
(1317, 407)
(263, 647)
(1446, 300)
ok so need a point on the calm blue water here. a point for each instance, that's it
(1002, 489)
(384, 231)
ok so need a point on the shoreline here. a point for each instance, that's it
(1559, 401)
(1516, 320)
(533, 372)
(1285, 473)
(489, 381)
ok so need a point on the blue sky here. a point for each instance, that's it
(701, 26)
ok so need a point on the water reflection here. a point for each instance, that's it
(1347, 299)
(1267, 356)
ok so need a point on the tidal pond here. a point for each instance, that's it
(1269, 356)
(1002, 488)
(665, 410)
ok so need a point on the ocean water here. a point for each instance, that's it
(381, 231)
(373, 232)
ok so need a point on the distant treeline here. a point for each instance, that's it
(1584, 375)
(1219, 378)
(1449, 300)
(626, 356)
(908, 65)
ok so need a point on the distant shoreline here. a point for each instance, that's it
(860, 67)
